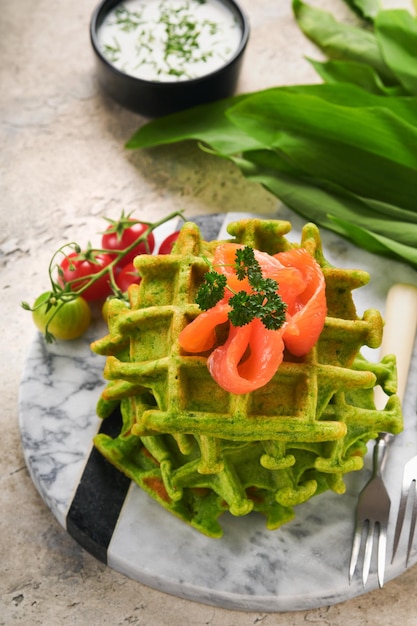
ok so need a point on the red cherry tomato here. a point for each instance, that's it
(122, 234)
(76, 267)
(127, 276)
(168, 243)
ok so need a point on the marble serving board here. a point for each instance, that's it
(303, 565)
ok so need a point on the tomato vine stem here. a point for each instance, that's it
(62, 293)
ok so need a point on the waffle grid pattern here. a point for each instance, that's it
(199, 450)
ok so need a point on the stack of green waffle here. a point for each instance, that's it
(201, 451)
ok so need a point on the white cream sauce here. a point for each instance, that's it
(169, 40)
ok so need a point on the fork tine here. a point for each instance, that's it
(400, 521)
(368, 551)
(356, 545)
(372, 512)
(409, 479)
(382, 551)
(413, 520)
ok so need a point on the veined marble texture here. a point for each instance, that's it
(303, 565)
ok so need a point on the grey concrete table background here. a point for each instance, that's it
(63, 167)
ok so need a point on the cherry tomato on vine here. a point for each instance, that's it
(122, 234)
(168, 243)
(68, 320)
(127, 276)
(76, 266)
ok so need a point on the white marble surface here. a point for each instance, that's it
(57, 417)
(303, 565)
(63, 167)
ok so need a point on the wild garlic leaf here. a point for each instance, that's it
(341, 153)
(355, 73)
(391, 211)
(376, 243)
(206, 123)
(383, 217)
(362, 149)
(333, 211)
(211, 125)
(377, 130)
(353, 96)
(396, 33)
(341, 41)
(367, 9)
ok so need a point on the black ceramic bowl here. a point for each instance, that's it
(153, 97)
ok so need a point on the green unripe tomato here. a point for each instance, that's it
(67, 321)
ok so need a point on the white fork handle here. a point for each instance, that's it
(399, 333)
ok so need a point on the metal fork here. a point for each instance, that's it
(374, 503)
(408, 487)
(372, 515)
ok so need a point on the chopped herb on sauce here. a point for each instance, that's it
(169, 40)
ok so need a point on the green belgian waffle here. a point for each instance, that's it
(199, 450)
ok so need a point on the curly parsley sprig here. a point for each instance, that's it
(262, 302)
(211, 291)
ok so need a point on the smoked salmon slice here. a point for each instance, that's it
(265, 350)
(252, 353)
(200, 334)
(306, 313)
